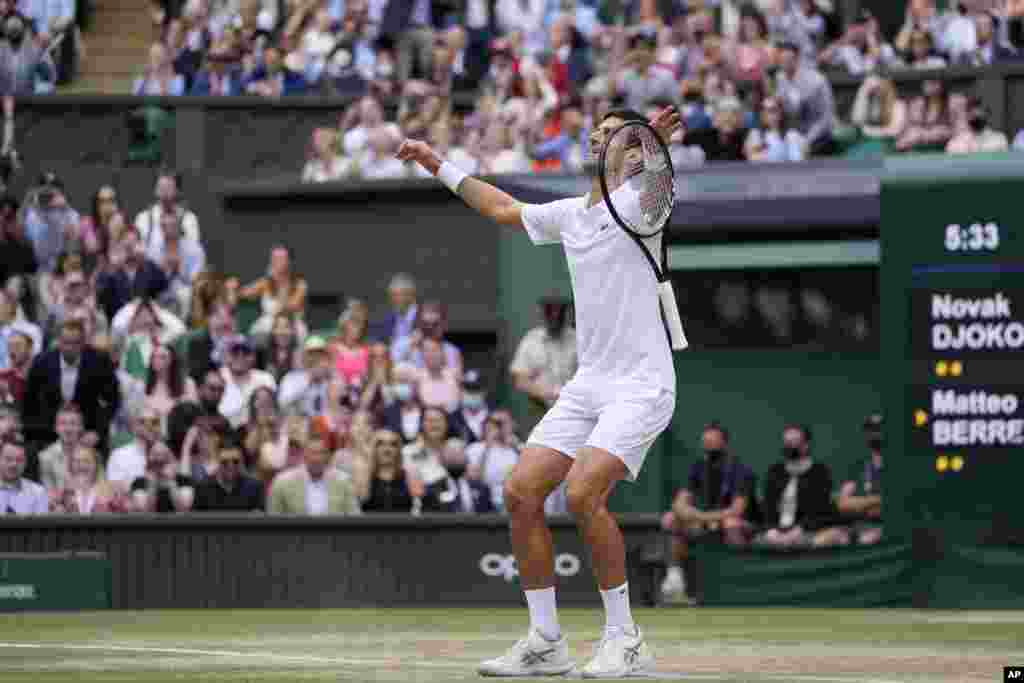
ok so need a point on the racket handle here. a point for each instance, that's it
(671, 310)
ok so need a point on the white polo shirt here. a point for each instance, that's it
(620, 339)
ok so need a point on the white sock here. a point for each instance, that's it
(543, 616)
(676, 574)
(616, 609)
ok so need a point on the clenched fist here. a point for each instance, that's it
(421, 153)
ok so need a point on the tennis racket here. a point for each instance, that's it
(638, 185)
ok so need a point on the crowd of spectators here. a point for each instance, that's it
(799, 504)
(128, 385)
(514, 85)
(40, 44)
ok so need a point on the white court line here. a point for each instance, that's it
(418, 664)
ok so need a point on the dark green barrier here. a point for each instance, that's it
(54, 581)
(878, 576)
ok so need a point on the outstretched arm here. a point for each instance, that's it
(486, 199)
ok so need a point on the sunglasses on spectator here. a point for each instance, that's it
(231, 461)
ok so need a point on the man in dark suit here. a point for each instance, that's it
(206, 351)
(70, 373)
(401, 320)
(136, 277)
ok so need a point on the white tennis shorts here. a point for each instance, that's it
(623, 422)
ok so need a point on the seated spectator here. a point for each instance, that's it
(185, 413)
(10, 420)
(218, 75)
(568, 147)
(640, 79)
(378, 392)
(158, 78)
(379, 162)
(85, 490)
(241, 380)
(392, 488)
(161, 488)
(751, 53)
(501, 150)
(53, 460)
(929, 125)
(287, 452)
(979, 135)
(168, 200)
(922, 53)
(283, 350)
(19, 496)
(166, 383)
(144, 333)
(71, 372)
(437, 384)
(546, 357)
(281, 290)
(51, 224)
(273, 77)
(1018, 142)
(879, 112)
(861, 50)
(96, 227)
(350, 353)
(229, 490)
(128, 463)
(806, 97)
(774, 140)
(401, 320)
(202, 447)
(426, 456)
(208, 349)
(76, 299)
(14, 377)
(24, 64)
(431, 323)
(180, 259)
(799, 23)
(51, 287)
(492, 459)
(264, 423)
(11, 324)
(798, 508)
(19, 260)
(718, 502)
(725, 141)
(355, 450)
(860, 497)
(326, 162)
(467, 422)
(131, 388)
(314, 488)
(305, 391)
(132, 276)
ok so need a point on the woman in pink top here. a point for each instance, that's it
(349, 349)
(752, 52)
(437, 384)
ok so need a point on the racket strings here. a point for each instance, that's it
(639, 177)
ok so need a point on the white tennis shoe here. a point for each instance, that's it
(619, 655)
(531, 656)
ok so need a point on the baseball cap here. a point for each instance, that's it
(315, 343)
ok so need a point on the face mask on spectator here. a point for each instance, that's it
(791, 453)
(472, 401)
(15, 31)
(403, 392)
(875, 443)
(715, 454)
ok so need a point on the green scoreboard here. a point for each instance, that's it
(952, 289)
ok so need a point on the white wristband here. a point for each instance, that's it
(451, 176)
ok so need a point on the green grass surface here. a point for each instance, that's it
(878, 646)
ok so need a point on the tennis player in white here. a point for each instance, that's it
(604, 420)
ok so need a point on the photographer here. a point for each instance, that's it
(51, 226)
(22, 59)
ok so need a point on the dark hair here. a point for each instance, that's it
(175, 380)
(625, 115)
(716, 426)
(16, 439)
(757, 16)
(101, 230)
(252, 400)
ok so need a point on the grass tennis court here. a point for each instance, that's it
(821, 646)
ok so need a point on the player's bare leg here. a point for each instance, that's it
(591, 480)
(544, 651)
